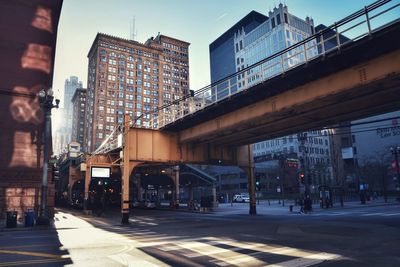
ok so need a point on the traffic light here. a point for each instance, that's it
(258, 185)
(301, 177)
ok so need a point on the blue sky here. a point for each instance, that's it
(199, 22)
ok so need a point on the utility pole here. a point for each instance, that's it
(46, 102)
(395, 152)
(125, 172)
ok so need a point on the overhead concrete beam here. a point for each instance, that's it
(357, 83)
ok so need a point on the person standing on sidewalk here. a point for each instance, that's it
(307, 204)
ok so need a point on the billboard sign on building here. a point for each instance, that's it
(347, 153)
(100, 172)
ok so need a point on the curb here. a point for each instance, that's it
(32, 228)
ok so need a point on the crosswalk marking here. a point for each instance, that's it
(221, 256)
(391, 214)
(358, 213)
(129, 260)
(306, 261)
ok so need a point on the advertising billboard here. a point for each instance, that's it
(100, 172)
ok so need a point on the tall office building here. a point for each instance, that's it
(279, 31)
(273, 34)
(128, 77)
(70, 87)
(79, 110)
(375, 161)
(222, 54)
(63, 133)
(311, 149)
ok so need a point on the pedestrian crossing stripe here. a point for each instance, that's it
(223, 257)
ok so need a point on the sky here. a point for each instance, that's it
(197, 22)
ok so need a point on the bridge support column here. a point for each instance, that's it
(176, 170)
(214, 192)
(70, 184)
(87, 182)
(127, 168)
(139, 188)
(245, 161)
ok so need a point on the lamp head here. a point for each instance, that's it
(42, 93)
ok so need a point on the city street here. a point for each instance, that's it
(223, 134)
(351, 236)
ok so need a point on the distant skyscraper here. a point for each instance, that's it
(69, 90)
(64, 131)
(128, 77)
(79, 111)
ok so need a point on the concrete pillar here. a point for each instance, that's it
(191, 201)
(139, 188)
(87, 182)
(70, 184)
(214, 192)
(176, 170)
(127, 168)
(245, 161)
(191, 195)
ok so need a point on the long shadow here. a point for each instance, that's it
(186, 239)
(36, 246)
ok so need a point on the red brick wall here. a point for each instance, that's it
(28, 31)
(22, 194)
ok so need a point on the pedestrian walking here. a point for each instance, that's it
(307, 204)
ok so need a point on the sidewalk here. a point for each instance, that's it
(274, 208)
(21, 226)
(263, 208)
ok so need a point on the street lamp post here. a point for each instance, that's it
(46, 103)
(395, 153)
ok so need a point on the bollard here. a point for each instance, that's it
(11, 221)
(291, 208)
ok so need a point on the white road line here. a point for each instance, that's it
(129, 260)
(373, 214)
(391, 214)
(306, 261)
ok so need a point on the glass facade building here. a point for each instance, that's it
(250, 45)
(279, 31)
(222, 53)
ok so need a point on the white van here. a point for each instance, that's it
(243, 197)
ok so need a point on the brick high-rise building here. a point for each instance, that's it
(79, 110)
(128, 77)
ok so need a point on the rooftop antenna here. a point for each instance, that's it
(133, 32)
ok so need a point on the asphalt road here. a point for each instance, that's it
(352, 236)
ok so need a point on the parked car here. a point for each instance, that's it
(241, 198)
